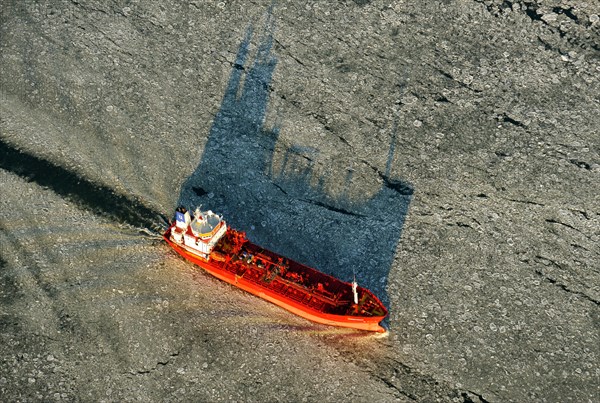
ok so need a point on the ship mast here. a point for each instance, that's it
(354, 290)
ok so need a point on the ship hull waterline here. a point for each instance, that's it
(214, 268)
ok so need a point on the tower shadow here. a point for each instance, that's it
(285, 211)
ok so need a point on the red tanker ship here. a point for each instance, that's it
(206, 240)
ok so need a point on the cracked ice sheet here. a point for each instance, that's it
(77, 289)
(514, 117)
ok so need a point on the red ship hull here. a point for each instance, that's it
(300, 289)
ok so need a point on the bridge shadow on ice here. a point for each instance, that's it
(286, 211)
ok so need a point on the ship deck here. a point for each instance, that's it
(292, 285)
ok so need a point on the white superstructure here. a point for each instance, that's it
(199, 234)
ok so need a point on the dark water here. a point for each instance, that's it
(285, 211)
(94, 197)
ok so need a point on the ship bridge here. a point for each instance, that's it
(206, 224)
